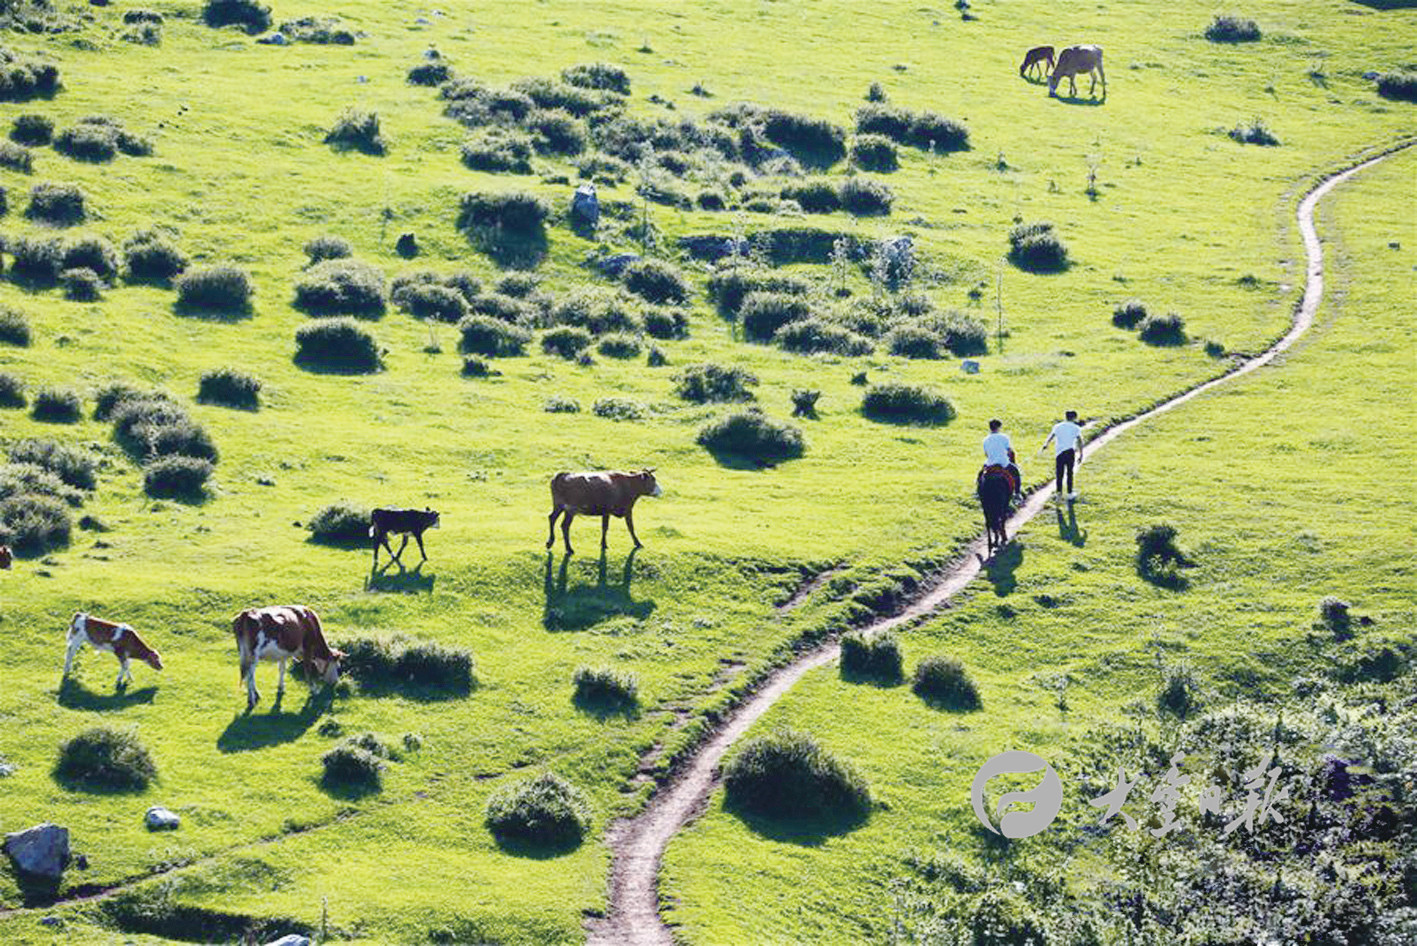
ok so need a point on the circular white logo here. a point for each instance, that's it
(1047, 798)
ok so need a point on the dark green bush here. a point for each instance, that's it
(899, 403)
(74, 465)
(804, 402)
(88, 141)
(1129, 314)
(357, 129)
(81, 285)
(1335, 616)
(59, 204)
(752, 434)
(864, 197)
(342, 287)
(111, 396)
(93, 253)
(328, 247)
(544, 810)
(12, 391)
(595, 311)
(341, 523)
(485, 335)
(875, 656)
(944, 681)
(143, 34)
(917, 129)
(429, 300)
(516, 212)
(813, 196)
(435, 72)
(666, 323)
(474, 367)
(556, 404)
(913, 339)
(763, 313)
(618, 408)
(931, 335)
(215, 289)
(556, 131)
(518, 285)
(184, 437)
(14, 328)
(352, 765)
(33, 525)
(874, 153)
(604, 686)
(789, 775)
(139, 15)
(497, 148)
(58, 405)
(503, 308)
(230, 387)
(251, 15)
(1229, 28)
(548, 93)
(568, 341)
(150, 254)
(730, 287)
(1179, 693)
(598, 75)
(319, 30)
(1399, 86)
(105, 759)
(26, 479)
(656, 281)
(814, 335)
(1254, 133)
(708, 382)
(176, 476)
(23, 76)
(619, 346)
(1168, 329)
(16, 157)
(1036, 247)
(338, 343)
(395, 660)
(36, 259)
(33, 130)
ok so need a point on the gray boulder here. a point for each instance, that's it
(290, 939)
(585, 205)
(969, 366)
(275, 39)
(615, 264)
(159, 818)
(41, 851)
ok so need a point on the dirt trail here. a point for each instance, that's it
(637, 844)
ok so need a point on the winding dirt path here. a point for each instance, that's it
(637, 844)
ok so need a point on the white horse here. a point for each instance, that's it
(1072, 62)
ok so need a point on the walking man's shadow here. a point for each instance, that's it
(1068, 529)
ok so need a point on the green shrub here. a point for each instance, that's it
(545, 810)
(33, 525)
(619, 346)
(328, 247)
(33, 130)
(338, 343)
(88, 141)
(1129, 314)
(35, 258)
(1037, 248)
(1168, 329)
(618, 409)
(666, 323)
(16, 157)
(518, 285)
(111, 396)
(874, 153)
(917, 129)
(319, 30)
(59, 204)
(474, 367)
(556, 131)
(93, 253)
(899, 403)
(230, 387)
(150, 254)
(341, 523)
(944, 681)
(27, 479)
(397, 661)
(503, 308)
(342, 287)
(1229, 28)
(557, 404)
(1254, 133)
(74, 465)
(215, 289)
(814, 196)
(26, 76)
(548, 93)
(598, 75)
(357, 129)
(656, 281)
(435, 72)
(485, 335)
(863, 197)
(12, 391)
(875, 656)
(709, 382)
(58, 405)
(763, 313)
(1179, 693)
(81, 285)
(1399, 86)
(595, 311)
(604, 686)
(428, 300)
(656, 357)
(804, 402)
(516, 212)
(568, 341)
(1334, 615)
(750, 433)
(177, 476)
(105, 759)
(251, 15)
(817, 336)
(931, 335)
(729, 288)
(143, 34)
(789, 775)
(496, 149)
(351, 765)
(14, 328)
(914, 340)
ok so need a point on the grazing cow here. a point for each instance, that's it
(280, 633)
(606, 494)
(6, 556)
(403, 522)
(1074, 61)
(120, 640)
(1035, 59)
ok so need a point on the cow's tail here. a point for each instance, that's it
(243, 645)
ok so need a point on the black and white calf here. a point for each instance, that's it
(403, 522)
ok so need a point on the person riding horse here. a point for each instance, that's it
(999, 459)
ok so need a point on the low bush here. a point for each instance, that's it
(1399, 86)
(12, 391)
(899, 403)
(618, 408)
(1254, 133)
(435, 72)
(598, 75)
(813, 196)
(26, 479)
(952, 332)
(491, 337)
(913, 339)
(497, 149)
(568, 341)
(789, 775)
(16, 157)
(81, 285)
(656, 357)
(395, 660)
(804, 402)
(59, 204)
(88, 141)
(556, 404)
(874, 153)
(874, 656)
(352, 765)
(105, 759)
(357, 129)
(151, 254)
(516, 212)
(230, 387)
(251, 15)
(14, 328)
(503, 308)
(596, 311)
(474, 367)
(1229, 28)
(814, 335)
(763, 313)
(1334, 615)
(33, 525)
(93, 253)
(729, 288)
(73, 465)
(24, 77)
(917, 129)
(328, 247)
(340, 523)
(548, 93)
(215, 289)
(863, 197)
(604, 686)
(338, 343)
(57, 405)
(556, 131)
(751, 434)
(177, 476)
(113, 395)
(619, 346)
(709, 382)
(32, 130)
(342, 287)
(139, 15)
(666, 323)
(1168, 329)
(430, 300)
(656, 281)
(1179, 693)
(143, 34)
(944, 681)
(1129, 314)
(319, 30)
(35, 258)
(545, 810)
(518, 285)
(1036, 247)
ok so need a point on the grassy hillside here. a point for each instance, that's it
(1183, 217)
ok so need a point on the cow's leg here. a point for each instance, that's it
(418, 536)
(566, 530)
(604, 530)
(1103, 74)
(280, 686)
(76, 641)
(551, 530)
(248, 670)
(402, 545)
(630, 524)
(124, 674)
(378, 537)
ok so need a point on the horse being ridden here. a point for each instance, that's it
(995, 489)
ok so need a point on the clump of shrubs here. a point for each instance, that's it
(656, 281)
(491, 337)
(342, 287)
(813, 196)
(16, 157)
(619, 345)
(1334, 615)
(917, 129)
(1179, 694)
(598, 75)
(353, 764)
(813, 336)
(35, 258)
(874, 153)
(105, 759)
(865, 197)
(395, 660)
(789, 775)
(33, 524)
(545, 810)
(1399, 86)
(498, 149)
(93, 253)
(707, 382)
(14, 328)
(177, 476)
(763, 313)
(32, 130)
(604, 687)
(729, 288)
(1129, 314)
(944, 682)
(872, 656)
(1229, 28)
(804, 402)
(665, 322)
(230, 387)
(568, 341)
(319, 30)
(433, 72)
(1168, 329)
(151, 254)
(1037, 248)
(327, 247)
(897, 402)
(57, 405)
(357, 129)
(81, 284)
(215, 289)
(430, 296)
(618, 408)
(752, 434)
(556, 131)
(26, 479)
(251, 15)
(934, 336)
(1253, 133)
(558, 404)
(76, 467)
(12, 391)
(340, 523)
(516, 212)
(25, 76)
(340, 344)
(58, 204)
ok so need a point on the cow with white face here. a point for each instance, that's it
(120, 640)
(280, 633)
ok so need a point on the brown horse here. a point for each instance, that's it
(995, 488)
(1074, 61)
(1034, 60)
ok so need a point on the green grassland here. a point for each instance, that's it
(1183, 217)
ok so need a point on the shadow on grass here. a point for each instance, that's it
(1001, 568)
(535, 850)
(1090, 100)
(803, 831)
(74, 695)
(509, 250)
(407, 581)
(1163, 574)
(213, 314)
(738, 461)
(249, 731)
(349, 790)
(1068, 529)
(316, 365)
(872, 678)
(575, 608)
(605, 708)
(36, 891)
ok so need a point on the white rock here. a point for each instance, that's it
(290, 939)
(159, 818)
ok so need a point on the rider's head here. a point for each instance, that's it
(995, 424)
(1072, 415)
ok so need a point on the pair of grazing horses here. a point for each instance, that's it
(1072, 62)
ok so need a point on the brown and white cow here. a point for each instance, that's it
(604, 494)
(120, 640)
(279, 633)
(6, 556)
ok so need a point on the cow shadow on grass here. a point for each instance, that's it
(1091, 100)
(407, 581)
(1001, 569)
(74, 695)
(251, 730)
(576, 607)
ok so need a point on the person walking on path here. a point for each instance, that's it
(1066, 438)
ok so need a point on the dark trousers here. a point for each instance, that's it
(1063, 466)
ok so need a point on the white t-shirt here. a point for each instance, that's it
(1066, 435)
(996, 449)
